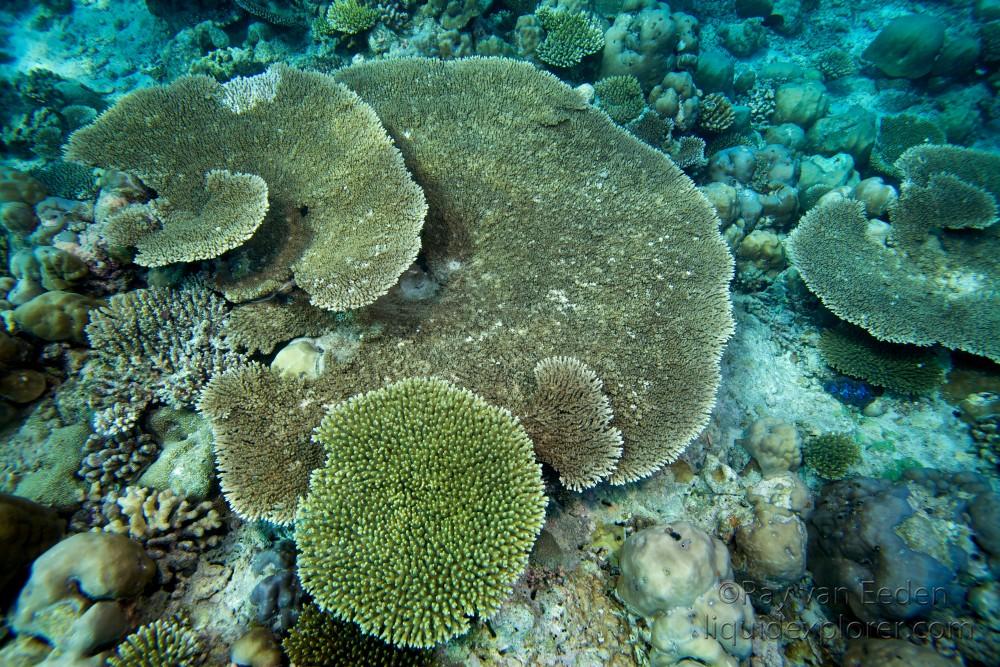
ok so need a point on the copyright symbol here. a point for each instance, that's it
(730, 592)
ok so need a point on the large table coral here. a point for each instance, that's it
(552, 232)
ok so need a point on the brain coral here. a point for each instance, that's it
(929, 284)
(287, 166)
(424, 513)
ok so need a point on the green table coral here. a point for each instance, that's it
(287, 166)
(901, 368)
(424, 513)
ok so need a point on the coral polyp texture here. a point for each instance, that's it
(902, 368)
(288, 166)
(569, 37)
(154, 345)
(648, 309)
(424, 513)
(569, 420)
(262, 423)
(932, 278)
(160, 643)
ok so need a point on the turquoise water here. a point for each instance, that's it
(484, 332)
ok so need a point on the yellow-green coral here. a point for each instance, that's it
(343, 217)
(569, 37)
(350, 17)
(320, 640)
(424, 513)
(831, 455)
(159, 644)
(620, 97)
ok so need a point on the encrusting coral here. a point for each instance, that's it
(424, 513)
(158, 644)
(154, 345)
(288, 158)
(569, 421)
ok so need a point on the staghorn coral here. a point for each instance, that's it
(569, 37)
(154, 345)
(546, 167)
(158, 644)
(831, 455)
(261, 325)
(262, 424)
(428, 487)
(620, 97)
(320, 640)
(715, 113)
(900, 368)
(287, 153)
(172, 530)
(835, 63)
(569, 421)
(349, 17)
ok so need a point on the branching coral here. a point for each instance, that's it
(116, 460)
(289, 154)
(154, 345)
(158, 644)
(901, 368)
(569, 37)
(262, 423)
(424, 514)
(715, 113)
(831, 455)
(350, 17)
(569, 420)
(320, 640)
(928, 284)
(620, 97)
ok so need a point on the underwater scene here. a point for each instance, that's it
(514, 333)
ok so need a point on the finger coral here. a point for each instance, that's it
(160, 643)
(424, 513)
(154, 345)
(569, 421)
(287, 166)
(569, 37)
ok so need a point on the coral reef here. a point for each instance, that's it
(569, 37)
(831, 455)
(428, 486)
(901, 368)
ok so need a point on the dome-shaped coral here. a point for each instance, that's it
(424, 513)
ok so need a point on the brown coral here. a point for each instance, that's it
(569, 421)
(716, 113)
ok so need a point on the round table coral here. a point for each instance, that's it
(424, 514)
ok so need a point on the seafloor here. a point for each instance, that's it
(486, 332)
